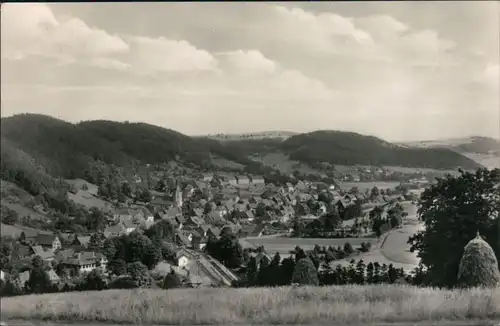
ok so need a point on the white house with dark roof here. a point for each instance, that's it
(85, 261)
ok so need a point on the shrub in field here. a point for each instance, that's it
(171, 281)
(479, 266)
(305, 273)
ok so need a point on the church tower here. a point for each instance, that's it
(178, 195)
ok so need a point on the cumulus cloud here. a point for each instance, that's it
(326, 32)
(160, 54)
(32, 29)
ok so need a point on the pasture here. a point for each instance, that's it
(329, 305)
(79, 183)
(13, 231)
(88, 200)
(283, 163)
(363, 186)
(283, 245)
(224, 163)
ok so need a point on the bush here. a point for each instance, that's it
(122, 282)
(479, 266)
(305, 273)
(171, 281)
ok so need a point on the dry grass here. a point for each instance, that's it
(285, 305)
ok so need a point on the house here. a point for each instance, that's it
(199, 242)
(49, 241)
(301, 209)
(46, 255)
(206, 270)
(247, 215)
(22, 251)
(83, 262)
(182, 257)
(252, 231)
(213, 232)
(183, 239)
(114, 230)
(194, 221)
(207, 177)
(82, 241)
(203, 229)
(289, 187)
(258, 180)
(160, 202)
(174, 212)
(243, 180)
(233, 181)
(129, 226)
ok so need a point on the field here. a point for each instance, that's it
(488, 161)
(337, 305)
(87, 198)
(15, 230)
(394, 249)
(78, 183)
(363, 186)
(224, 163)
(284, 245)
(283, 163)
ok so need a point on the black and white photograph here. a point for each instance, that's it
(250, 163)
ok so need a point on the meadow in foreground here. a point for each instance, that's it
(282, 305)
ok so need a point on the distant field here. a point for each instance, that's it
(223, 163)
(283, 163)
(88, 200)
(363, 186)
(488, 161)
(78, 184)
(330, 305)
(402, 169)
(284, 245)
(15, 230)
(23, 211)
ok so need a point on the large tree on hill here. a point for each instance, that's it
(453, 210)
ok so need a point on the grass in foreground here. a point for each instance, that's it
(284, 305)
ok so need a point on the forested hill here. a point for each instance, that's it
(65, 149)
(349, 148)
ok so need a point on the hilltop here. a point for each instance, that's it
(333, 305)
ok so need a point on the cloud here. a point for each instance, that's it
(251, 61)
(325, 32)
(160, 54)
(33, 30)
(253, 73)
(491, 76)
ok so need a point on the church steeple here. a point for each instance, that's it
(178, 194)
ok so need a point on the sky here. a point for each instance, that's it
(401, 71)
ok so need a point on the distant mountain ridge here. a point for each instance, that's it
(474, 144)
(63, 149)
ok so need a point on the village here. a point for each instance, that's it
(267, 219)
